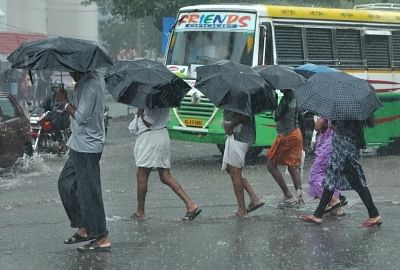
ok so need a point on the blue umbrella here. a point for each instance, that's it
(307, 70)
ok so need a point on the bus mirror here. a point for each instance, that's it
(249, 44)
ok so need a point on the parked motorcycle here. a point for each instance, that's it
(107, 118)
(44, 137)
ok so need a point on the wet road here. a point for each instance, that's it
(33, 223)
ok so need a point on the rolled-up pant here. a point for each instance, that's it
(80, 191)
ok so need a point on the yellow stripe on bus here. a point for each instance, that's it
(333, 14)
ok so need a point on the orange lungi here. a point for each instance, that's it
(287, 149)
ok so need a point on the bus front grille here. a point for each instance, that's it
(204, 108)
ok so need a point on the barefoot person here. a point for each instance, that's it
(323, 153)
(287, 148)
(79, 183)
(152, 150)
(347, 142)
(241, 134)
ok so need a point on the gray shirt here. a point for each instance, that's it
(244, 132)
(286, 116)
(88, 125)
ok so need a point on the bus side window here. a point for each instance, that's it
(265, 33)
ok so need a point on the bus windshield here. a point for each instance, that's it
(201, 38)
(203, 47)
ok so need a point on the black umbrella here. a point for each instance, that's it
(235, 87)
(280, 77)
(62, 54)
(338, 96)
(145, 83)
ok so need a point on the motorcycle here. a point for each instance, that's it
(107, 118)
(44, 138)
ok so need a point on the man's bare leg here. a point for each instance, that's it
(238, 188)
(169, 180)
(142, 175)
(254, 198)
(277, 175)
(295, 174)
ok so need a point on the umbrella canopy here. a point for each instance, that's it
(338, 96)
(280, 77)
(145, 83)
(307, 70)
(235, 87)
(62, 54)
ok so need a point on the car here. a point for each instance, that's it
(15, 131)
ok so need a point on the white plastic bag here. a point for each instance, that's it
(133, 126)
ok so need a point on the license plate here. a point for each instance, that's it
(193, 122)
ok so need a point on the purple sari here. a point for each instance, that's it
(317, 171)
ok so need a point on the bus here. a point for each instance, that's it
(364, 42)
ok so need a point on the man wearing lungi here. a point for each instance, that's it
(287, 148)
(152, 150)
(241, 133)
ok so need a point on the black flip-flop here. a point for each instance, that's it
(343, 200)
(329, 209)
(192, 215)
(93, 246)
(76, 238)
(253, 207)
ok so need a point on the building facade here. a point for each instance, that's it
(25, 20)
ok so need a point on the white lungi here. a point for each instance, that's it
(152, 149)
(234, 153)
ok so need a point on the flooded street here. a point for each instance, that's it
(34, 225)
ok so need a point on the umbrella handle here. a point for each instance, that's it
(30, 76)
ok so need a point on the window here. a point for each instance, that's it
(377, 51)
(319, 46)
(348, 46)
(396, 48)
(289, 45)
(7, 109)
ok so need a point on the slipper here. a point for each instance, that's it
(94, 246)
(372, 223)
(310, 219)
(330, 208)
(136, 217)
(192, 215)
(343, 200)
(336, 214)
(76, 238)
(287, 202)
(252, 207)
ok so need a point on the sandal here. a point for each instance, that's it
(288, 202)
(252, 207)
(310, 219)
(76, 238)
(343, 200)
(135, 216)
(94, 246)
(337, 212)
(191, 215)
(330, 208)
(372, 222)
